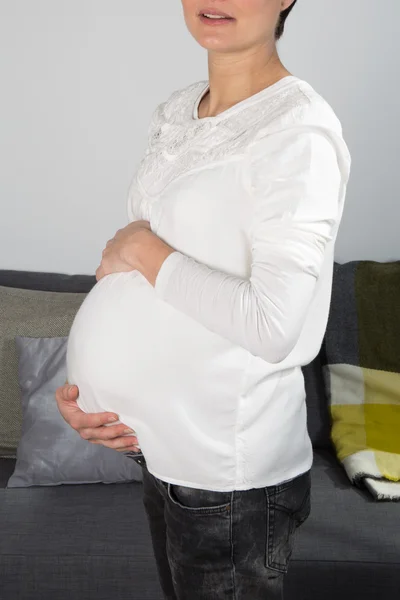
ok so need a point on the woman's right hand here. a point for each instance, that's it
(92, 426)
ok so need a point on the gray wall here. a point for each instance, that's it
(80, 79)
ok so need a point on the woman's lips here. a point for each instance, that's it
(215, 22)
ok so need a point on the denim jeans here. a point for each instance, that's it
(235, 545)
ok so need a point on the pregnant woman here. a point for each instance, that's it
(208, 303)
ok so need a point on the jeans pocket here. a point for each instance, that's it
(198, 500)
(288, 507)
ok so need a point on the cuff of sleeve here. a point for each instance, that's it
(163, 276)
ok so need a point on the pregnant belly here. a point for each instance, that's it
(107, 345)
(131, 353)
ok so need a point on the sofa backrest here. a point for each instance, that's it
(318, 415)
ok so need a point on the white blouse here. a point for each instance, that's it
(206, 365)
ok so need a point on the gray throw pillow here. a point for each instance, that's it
(50, 452)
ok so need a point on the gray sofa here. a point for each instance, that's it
(92, 542)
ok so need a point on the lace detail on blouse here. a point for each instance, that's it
(178, 143)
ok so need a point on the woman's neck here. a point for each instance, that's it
(227, 89)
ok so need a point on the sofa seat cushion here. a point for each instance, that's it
(347, 546)
(86, 541)
(345, 523)
(84, 519)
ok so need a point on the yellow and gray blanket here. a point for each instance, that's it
(361, 363)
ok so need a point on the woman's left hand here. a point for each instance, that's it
(119, 253)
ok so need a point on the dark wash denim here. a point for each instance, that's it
(234, 545)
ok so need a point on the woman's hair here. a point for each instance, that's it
(282, 18)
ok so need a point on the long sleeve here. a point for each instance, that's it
(298, 185)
